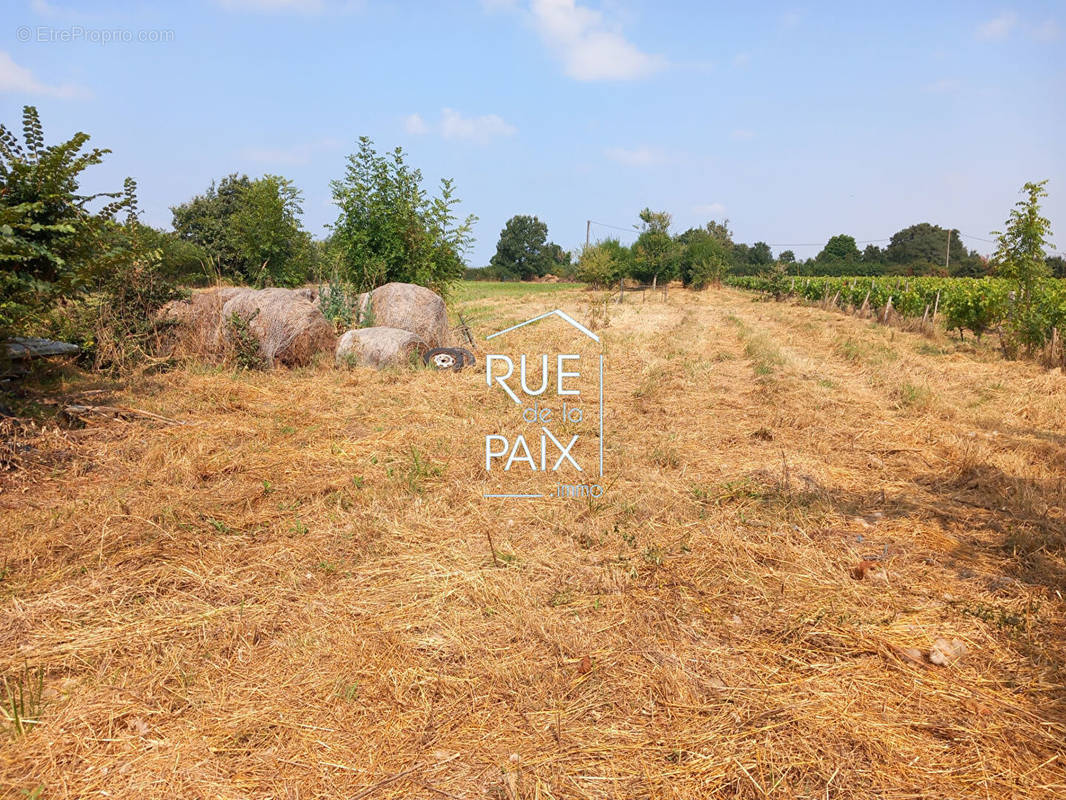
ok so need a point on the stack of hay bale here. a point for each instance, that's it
(290, 328)
(287, 324)
(409, 320)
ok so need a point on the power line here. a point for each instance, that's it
(614, 227)
(971, 236)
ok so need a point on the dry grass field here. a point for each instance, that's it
(281, 585)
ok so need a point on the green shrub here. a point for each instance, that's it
(51, 243)
(244, 343)
(390, 229)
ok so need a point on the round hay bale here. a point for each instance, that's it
(198, 329)
(290, 329)
(379, 347)
(412, 308)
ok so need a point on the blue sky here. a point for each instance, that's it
(794, 121)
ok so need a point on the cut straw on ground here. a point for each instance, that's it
(296, 596)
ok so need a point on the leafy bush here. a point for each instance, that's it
(251, 229)
(116, 321)
(71, 273)
(703, 259)
(337, 301)
(974, 305)
(655, 251)
(180, 260)
(598, 266)
(390, 230)
(51, 244)
(244, 343)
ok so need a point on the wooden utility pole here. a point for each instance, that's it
(588, 231)
(947, 254)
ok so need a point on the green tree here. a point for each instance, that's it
(598, 264)
(973, 266)
(267, 233)
(52, 245)
(654, 251)
(250, 229)
(205, 222)
(720, 231)
(703, 258)
(760, 255)
(872, 255)
(522, 251)
(559, 261)
(787, 257)
(839, 248)
(1020, 258)
(389, 229)
(924, 248)
(751, 259)
(179, 259)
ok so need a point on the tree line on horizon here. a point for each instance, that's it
(65, 266)
(704, 255)
(708, 254)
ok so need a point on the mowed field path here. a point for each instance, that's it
(292, 586)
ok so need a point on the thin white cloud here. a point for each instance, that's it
(16, 79)
(297, 155)
(742, 135)
(741, 59)
(457, 127)
(997, 29)
(454, 125)
(635, 157)
(414, 124)
(590, 48)
(709, 209)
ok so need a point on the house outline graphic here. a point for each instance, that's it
(556, 313)
(575, 324)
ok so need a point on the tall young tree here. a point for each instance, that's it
(389, 229)
(1021, 258)
(654, 251)
(1020, 254)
